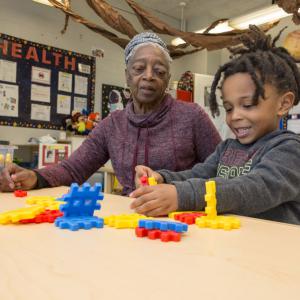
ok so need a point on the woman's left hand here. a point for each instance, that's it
(155, 200)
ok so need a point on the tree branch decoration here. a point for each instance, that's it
(116, 21)
(291, 7)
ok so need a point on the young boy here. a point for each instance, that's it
(258, 173)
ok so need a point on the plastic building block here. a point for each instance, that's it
(152, 181)
(188, 218)
(164, 236)
(144, 180)
(212, 220)
(46, 201)
(163, 225)
(15, 216)
(124, 221)
(171, 215)
(20, 193)
(224, 222)
(210, 198)
(81, 202)
(80, 222)
(48, 216)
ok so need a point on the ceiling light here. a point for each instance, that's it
(222, 27)
(268, 14)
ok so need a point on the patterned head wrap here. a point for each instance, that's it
(143, 38)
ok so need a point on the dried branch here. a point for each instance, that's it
(67, 17)
(291, 7)
(112, 18)
(148, 21)
(96, 28)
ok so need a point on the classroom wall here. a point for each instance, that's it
(40, 23)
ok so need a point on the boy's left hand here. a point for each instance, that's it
(155, 200)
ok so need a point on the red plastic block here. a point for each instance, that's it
(144, 180)
(20, 193)
(48, 216)
(141, 232)
(153, 234)
(188, 218)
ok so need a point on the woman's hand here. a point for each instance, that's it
(14, 177)
(141, 171)
(155, 200)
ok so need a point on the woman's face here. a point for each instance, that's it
(147, 74)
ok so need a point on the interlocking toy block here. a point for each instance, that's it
(20, 193)
(224, 222)
(212, 220)
(48, 202)
(48, 216)
(210, 198)
(15, 216)
(164, 236)
(163, 225)
(188, 218)
(172, 214)
(124, 221)
(144, 180)
(80, 222)
(81, 202)
(152, 181)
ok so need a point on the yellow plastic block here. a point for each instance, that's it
(223, 222)
(152, 181)
(46, 201)
(124, 221)
(210, 187)
(15, 216)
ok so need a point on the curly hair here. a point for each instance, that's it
(264, 62)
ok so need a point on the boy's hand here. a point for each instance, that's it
(155, 200)
(14, 177)
(141, 171)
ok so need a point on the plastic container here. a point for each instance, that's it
(6, 155)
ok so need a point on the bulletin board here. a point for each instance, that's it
(41, 85)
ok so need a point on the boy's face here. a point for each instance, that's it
(249, 121)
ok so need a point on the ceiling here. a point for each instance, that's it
(216, 9)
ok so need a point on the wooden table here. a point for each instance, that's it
(259, 261)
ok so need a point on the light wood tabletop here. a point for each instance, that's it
(259, 261)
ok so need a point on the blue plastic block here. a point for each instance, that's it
(163, 225)
(82, 201)
(75, 223)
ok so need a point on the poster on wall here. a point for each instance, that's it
(65, 82)
(8, 70)
(9, 100)
(41, 75)
(113, 98)
(40, 93)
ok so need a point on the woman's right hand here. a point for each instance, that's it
(141, 171)
(14, 177)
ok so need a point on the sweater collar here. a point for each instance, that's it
(150, 119)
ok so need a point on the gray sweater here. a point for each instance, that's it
(259, 180)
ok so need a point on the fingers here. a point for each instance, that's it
(140, 191)
(7, 184)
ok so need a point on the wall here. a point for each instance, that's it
(40, 23)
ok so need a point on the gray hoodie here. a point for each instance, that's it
(259, 180)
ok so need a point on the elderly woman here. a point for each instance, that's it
(153, 130)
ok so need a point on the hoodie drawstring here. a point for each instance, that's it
(173, 140)
(136, 150)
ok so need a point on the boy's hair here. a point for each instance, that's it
(264, 62)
